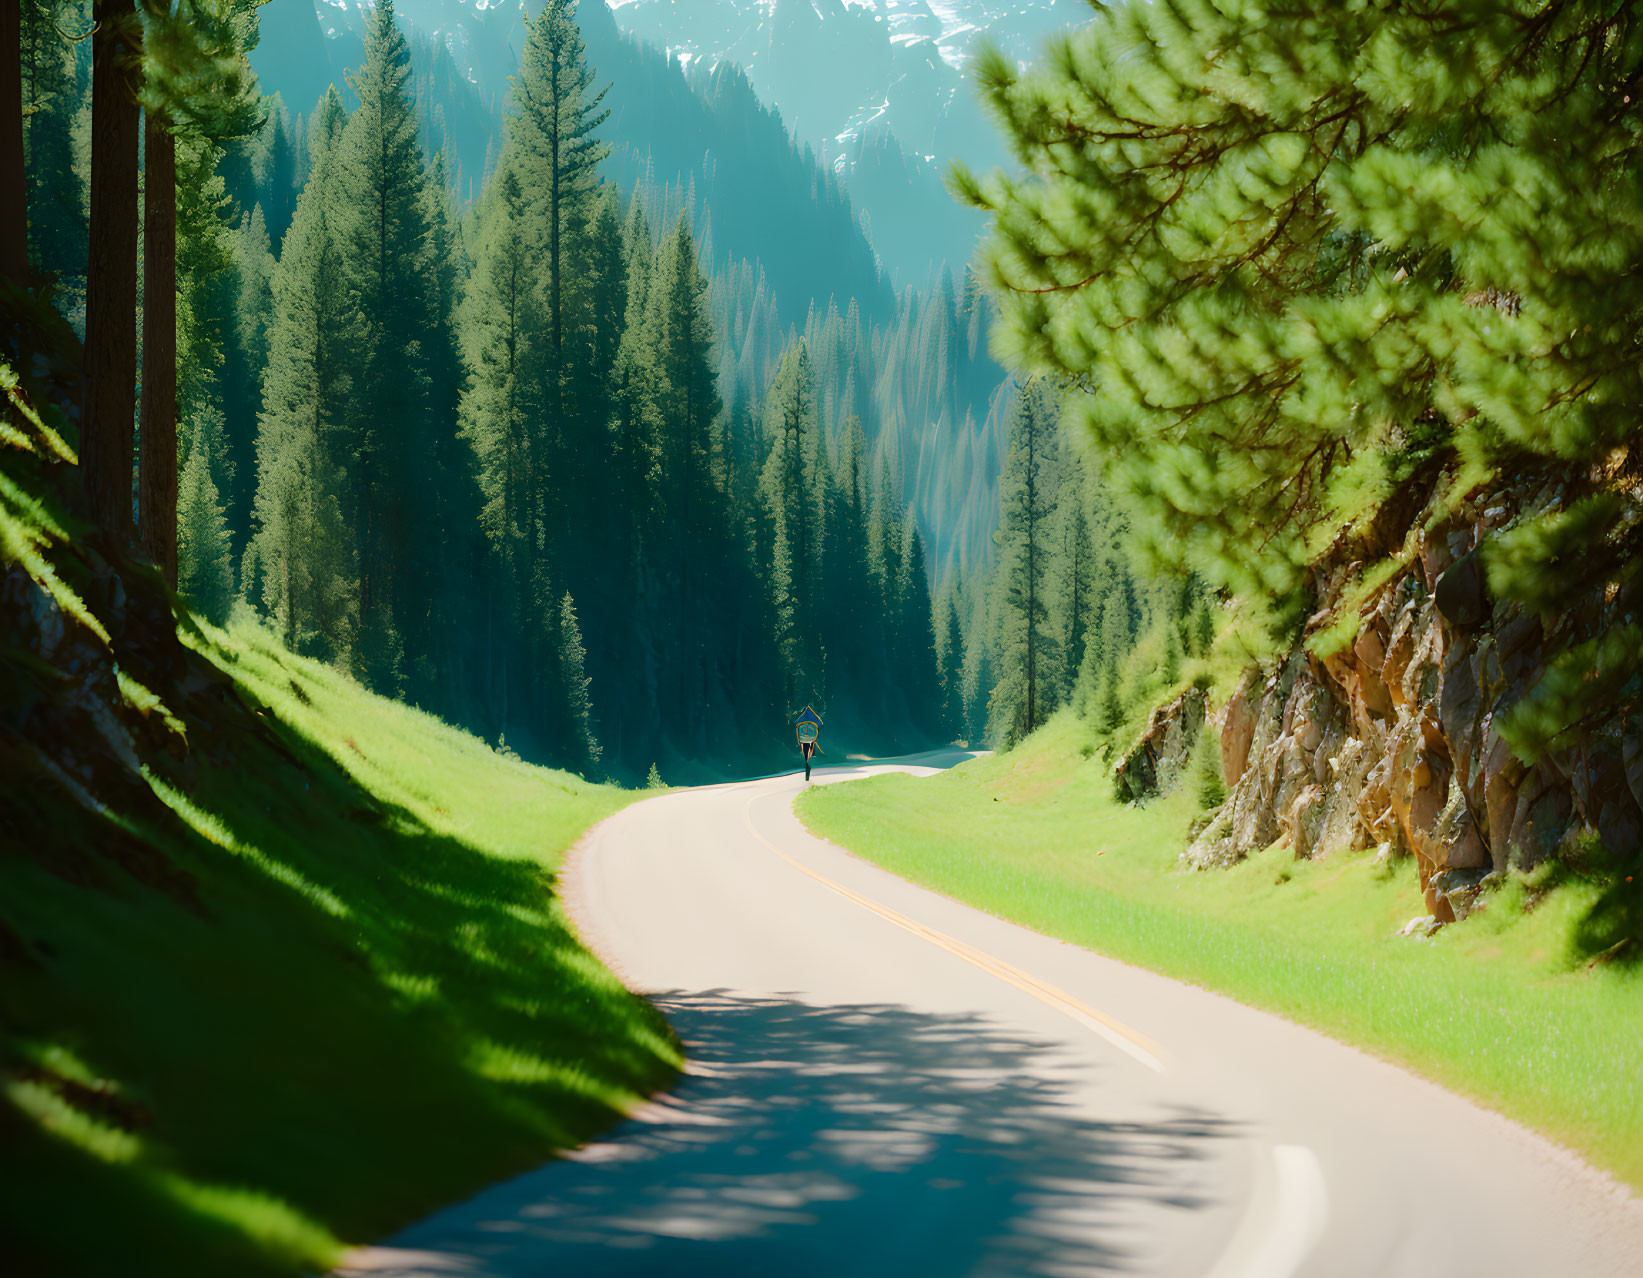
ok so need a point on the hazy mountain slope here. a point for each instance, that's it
(878, 87)
(915, 226)
(767, 198)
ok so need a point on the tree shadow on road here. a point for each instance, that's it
(867, 1139)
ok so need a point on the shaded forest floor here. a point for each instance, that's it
(1522, 1006)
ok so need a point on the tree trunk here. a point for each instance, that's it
(110, 374)
(14, 220)
(157, 462)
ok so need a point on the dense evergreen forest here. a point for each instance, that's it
(551, 463)
(539, 462)
(780, 237)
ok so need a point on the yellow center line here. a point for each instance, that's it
(1129, 1041)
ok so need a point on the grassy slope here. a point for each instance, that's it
(1504, 1007)
(350, 997)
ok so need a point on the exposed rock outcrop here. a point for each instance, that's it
(1391, 737)
(1158, 757)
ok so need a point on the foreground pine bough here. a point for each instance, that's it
(1347, 298)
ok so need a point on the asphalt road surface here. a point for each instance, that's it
(885, 1082)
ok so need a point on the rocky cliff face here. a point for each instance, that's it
(1391, 738)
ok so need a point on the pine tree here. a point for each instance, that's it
(1076, 569)
(951, 666)
(1117, 631)
(881, 503)
(915, 667)
(1203, 628)
(691, 500)
(56, 196)
(635, 636)
(847, 587)
(276, 170)
(249, 296)
(635, 388)
(300, 563)
(1172, 657)
(300, 560)
(980, 681)
(1112, 703)
(572, 246)
(794, 505)
(205, 575)
(579, 702)
(383, 231)
(1029, 655)
(682, 327)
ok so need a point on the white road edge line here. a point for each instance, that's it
(1287, 1212)
(1131, 1042)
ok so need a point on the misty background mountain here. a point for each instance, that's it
(875, 88)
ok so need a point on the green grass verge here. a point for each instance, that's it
(1505, 1007)
(331, 990)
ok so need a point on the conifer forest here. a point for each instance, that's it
(537, 460)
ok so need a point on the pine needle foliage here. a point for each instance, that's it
(1284, 259)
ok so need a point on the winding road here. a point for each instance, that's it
(885, 1082)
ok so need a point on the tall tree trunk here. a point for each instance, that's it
(14, 219)
(157, 462)
(110, 375)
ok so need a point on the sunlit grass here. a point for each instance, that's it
(63, 1121)
(147, 702)
(321, 987)
(278, 1232)
(1506, 1007)
(27, 527)
(446, 778)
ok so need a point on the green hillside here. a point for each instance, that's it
(281, 962)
